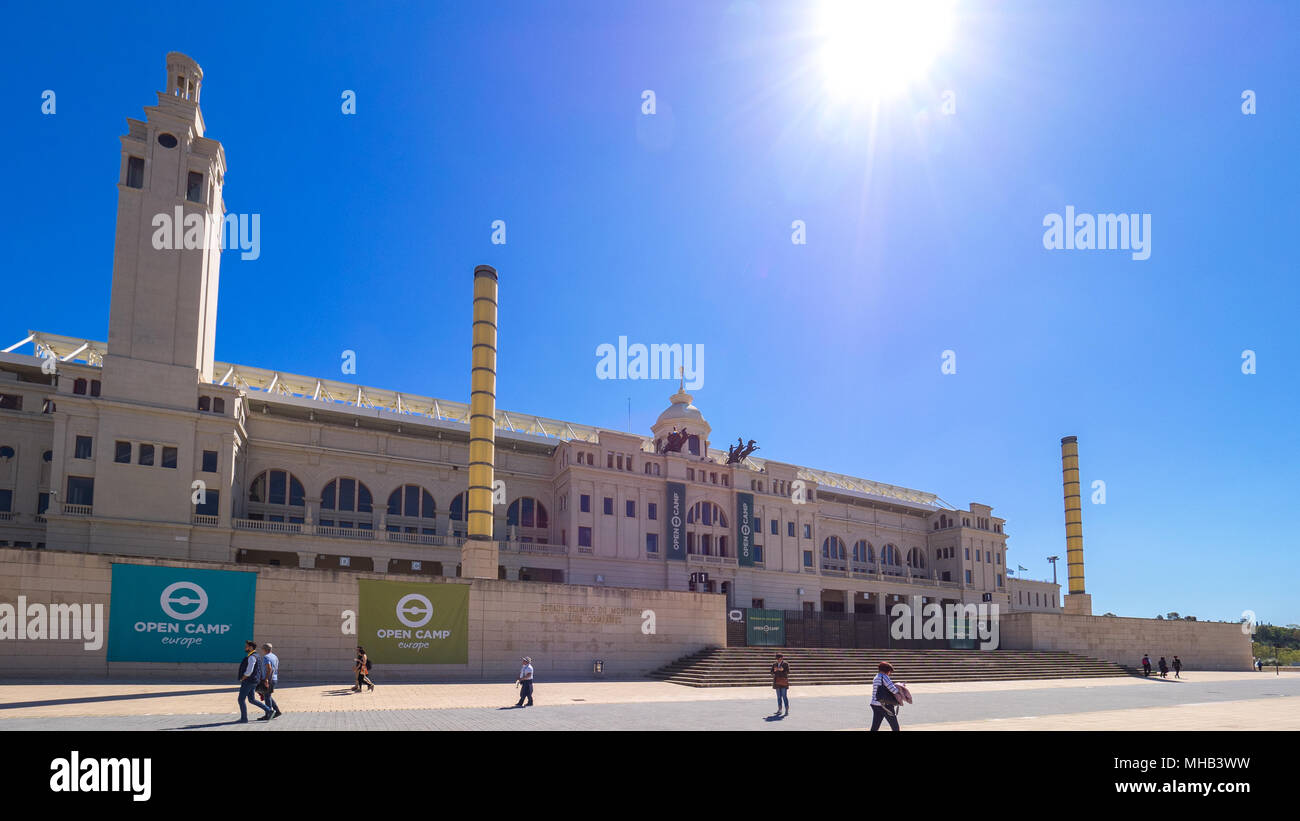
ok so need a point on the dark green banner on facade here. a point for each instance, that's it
(413, 622)
(764, 628)
(676, 522)
(745, 529)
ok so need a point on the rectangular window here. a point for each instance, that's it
(807, 531)
(758, 554)
(757, 604)
(146, 455)
(81, 490)
(209, 461)
(999, 580)
(968, 554)
(584, 503)
(789, 529)
(6, 500)
(652, 542)
(83, 447)
(122, 452)
(609, 506)
(211, 504)
(584, 537)
(775, 524)
(631, 509)
(968, 577)
(807, 558)
(652, 511)
(690, 474)
(135, 172)
(42, 503)
(11, 401)
(194, 188)
(169, 457)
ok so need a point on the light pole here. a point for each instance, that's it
(1053, 560)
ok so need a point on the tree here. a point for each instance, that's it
(1172, 616)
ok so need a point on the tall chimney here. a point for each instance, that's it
(480, 552)
(1077, 602)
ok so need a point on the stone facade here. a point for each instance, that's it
(564, 628)
(1201, 645)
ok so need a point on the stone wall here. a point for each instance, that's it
(564, 628)
(1201, 645)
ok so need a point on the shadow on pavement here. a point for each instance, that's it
(16, 705)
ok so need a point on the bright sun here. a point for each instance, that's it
(878, 48)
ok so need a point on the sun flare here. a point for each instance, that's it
(879, 48)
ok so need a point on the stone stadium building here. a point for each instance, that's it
(148, 446)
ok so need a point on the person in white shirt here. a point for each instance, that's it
(525, 682)
(884, 698)
(272, 676)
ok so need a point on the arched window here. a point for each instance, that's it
(527, 512)
(205, 403)
(707, 514)
(79, 386)
(456, 512)
(411, 510)
(349, 498)
(412, 502)
(916, 558)
(833, 548)
(706, 542)
(889, 555)
(863, 552)
(276, 496)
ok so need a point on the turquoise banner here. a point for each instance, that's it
(745, 529)
(179, 614)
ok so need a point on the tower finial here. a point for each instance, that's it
(681, 373)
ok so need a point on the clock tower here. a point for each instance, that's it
(167, 249)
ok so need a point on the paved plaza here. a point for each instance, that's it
(1202, 701)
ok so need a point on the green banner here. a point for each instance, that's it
(676, 522)
(764, 628)
(745, 529)
(414, 622)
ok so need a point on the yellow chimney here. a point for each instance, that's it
(479, 555)
(1077, 601)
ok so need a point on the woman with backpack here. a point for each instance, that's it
(362, 667)
(885, 698)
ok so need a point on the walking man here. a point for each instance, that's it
(250, 673)
(525, 682)
(1146, 665)
(1164, 668)
(781, 683)
(1178, 667)
(272, 662)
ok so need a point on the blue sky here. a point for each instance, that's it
(924, 234)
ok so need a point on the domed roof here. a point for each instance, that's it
(681, 413)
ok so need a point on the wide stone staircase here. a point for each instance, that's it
(748, 666)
